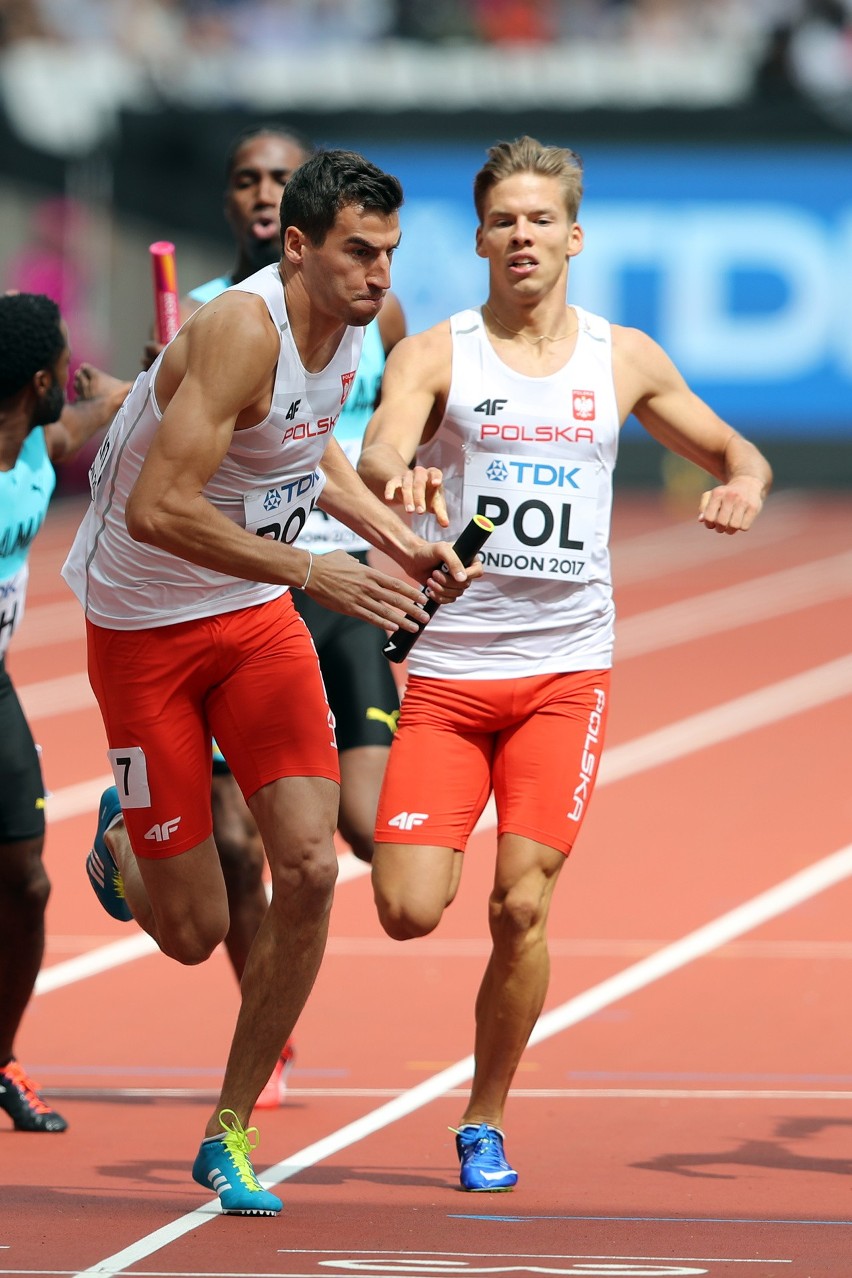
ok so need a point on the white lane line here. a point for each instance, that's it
(672, 548)
(759, 709)
(103, 959)
(732, 719)
(140, 945)
(800, 887)
(209, 1095)
(767, 705)
(81, 799)
(710, 727)
(733, 607)
(461, 948)
(51, 697)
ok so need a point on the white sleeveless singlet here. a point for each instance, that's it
(536, 455)
(322, 532)
(267, 483)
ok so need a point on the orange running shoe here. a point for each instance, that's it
(276, 1089)
(20, 1099)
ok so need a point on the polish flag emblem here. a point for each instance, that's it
(584, 405)
(346, 380)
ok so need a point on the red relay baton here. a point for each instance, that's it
(467, 545)
(166, 302)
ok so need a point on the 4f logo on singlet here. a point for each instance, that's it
(491, 406)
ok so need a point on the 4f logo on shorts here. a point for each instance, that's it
(408, 820)
(162, 833)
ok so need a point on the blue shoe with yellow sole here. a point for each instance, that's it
(104, 874)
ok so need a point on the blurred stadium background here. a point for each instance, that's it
(717, 139)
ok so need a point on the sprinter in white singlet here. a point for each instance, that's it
(184, 565)
(512, 411)
(359, 684)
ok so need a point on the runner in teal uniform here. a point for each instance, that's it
(36, 429)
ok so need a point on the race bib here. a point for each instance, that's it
(281, 512)
(13, 593)
(99, 464)
(543, 509)
(130, 770)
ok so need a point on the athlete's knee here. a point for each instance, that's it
(306, 875)
(517, 916)
(34, 897)
(24, 885)
(191, 941)
(406, 919)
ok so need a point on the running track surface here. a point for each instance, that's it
(685, 1106)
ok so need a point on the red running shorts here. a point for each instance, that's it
(250, 678)
(536, 742)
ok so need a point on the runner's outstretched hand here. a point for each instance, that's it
(342, 583)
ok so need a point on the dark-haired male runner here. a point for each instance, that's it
(183, 564)
(37, 430)
(359, 684)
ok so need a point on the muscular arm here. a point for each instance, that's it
(99, 398)
(216, 374)
(649, 385)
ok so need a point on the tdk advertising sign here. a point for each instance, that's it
(738, 261)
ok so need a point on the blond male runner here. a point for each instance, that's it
(513, 410)
(183, 564)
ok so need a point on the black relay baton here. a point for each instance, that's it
(467, 545)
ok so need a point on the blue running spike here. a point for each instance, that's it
(223, 1165)
(104, 874)
(484, 1169)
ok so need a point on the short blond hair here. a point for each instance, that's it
(527, 155)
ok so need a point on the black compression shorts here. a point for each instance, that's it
(21, 785)
(358, 680)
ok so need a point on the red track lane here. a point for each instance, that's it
(697, 1126)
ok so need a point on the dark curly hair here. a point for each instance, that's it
(327, 183)
(31, 338)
